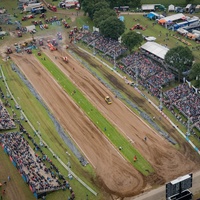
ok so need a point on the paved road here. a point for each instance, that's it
(159, 193)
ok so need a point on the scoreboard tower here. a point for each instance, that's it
(178, 188)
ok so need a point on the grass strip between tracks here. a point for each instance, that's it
(117, 139)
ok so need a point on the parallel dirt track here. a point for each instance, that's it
(116, 174)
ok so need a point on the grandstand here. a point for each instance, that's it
(33, 168)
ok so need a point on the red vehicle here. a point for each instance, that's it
(19, 34)
(29, 51)
(51, 7)
(138, 26)
(75, 29)
(66, 25)
(42, 15)
(26, 17)
(40, 42)
(9, 50)
(51, 47)
(65, 59)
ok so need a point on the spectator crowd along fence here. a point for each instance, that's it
(187, 101)
(107, 46)
(37, 170)
(5, 120)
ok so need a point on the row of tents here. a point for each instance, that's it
(171, 8)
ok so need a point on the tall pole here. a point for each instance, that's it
(114, 60)
(68, 162)
(161, 103)
(136, 74)
(74, 38)
(21, 114)
(94, 48)
(38, 127)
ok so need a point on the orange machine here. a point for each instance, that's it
(51, 47)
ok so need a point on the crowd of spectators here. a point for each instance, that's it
(39, 171)
(108, 46)
(5, 120)
(151, 75)
(186, 101)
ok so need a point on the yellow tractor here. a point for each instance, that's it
(108, 100)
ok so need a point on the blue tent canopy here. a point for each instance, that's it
(121, 18)
(152, 15)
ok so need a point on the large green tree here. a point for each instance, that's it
(181, 58)
(101, 5)
(91, 6)
(112, 3)
(195, 73)
(88, 7)
(101, 15)
(189, 1)
(131, 40)
(112, 27)
(117, 3)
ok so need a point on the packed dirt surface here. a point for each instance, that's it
(116, 174)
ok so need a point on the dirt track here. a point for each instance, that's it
(117, 175)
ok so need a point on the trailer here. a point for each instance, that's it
(29, 7)
(185, 24)
(38, 10)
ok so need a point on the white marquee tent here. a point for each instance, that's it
(155, 49)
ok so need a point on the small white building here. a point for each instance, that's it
(171, 8)
(197, 8)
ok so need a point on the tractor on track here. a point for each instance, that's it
(65, 59)
(108, 100)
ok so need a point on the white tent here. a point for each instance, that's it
(31, 28)
(28, 1)
(3, 33)
(171, 8)
(150, 39)
(155, 49)
(148, 7)
(171, 18)
(182, 31)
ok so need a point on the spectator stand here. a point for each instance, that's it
(152, 76)
(106, 46)
(6, 123)
(36, 169)
(187, 101)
